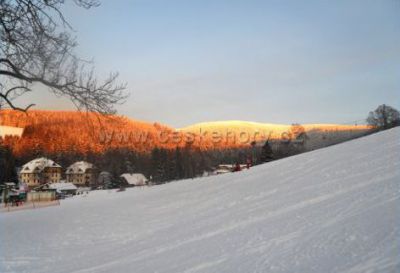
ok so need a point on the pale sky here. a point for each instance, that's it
(190, 61)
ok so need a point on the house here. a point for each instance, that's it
(65, 188)
(81, 174)
(223, 168)
(40, 171)
(227, 168)
(133, 179)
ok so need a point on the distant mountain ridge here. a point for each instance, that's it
(262, 131)
(240, 124)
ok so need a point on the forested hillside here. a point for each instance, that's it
(67, 131)
(118, 144)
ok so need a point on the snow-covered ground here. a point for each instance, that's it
(331, 210)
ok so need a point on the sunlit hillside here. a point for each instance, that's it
(244, 130)
(68, 131)
(252, 127)
(76, 132)
(10, 131)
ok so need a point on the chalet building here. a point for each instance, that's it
(81, 174)
(40, 171)
(133, 179)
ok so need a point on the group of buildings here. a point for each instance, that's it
(42, 179)
(45, 174)
(40, 176)
(42, 171)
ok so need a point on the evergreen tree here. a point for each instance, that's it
(129, 166)
(162, 166)
(171, 166)
(179, 168)
(158, 161)
(105, 180)
(266, 153)
(7, 166)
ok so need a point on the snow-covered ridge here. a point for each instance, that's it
(330, 210)
(258, 126)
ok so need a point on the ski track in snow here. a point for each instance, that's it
(330, 210)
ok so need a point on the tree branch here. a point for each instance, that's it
(9, 102)
(34, 48)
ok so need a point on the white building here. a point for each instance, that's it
(134, 179)
(81, 173)
(40, 171)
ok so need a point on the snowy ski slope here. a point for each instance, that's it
(332, 210)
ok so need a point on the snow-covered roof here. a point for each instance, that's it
(83, 189)
(229, 166)
(221, 171)
(79, 167)
(136, 179)
(38, 165)
(225, 166)
(62, 186)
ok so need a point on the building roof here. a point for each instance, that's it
(38, 165)
(136, 179)
(62, 186)
(226, 166)
(83, 189)
(221, 171)
(79, 167)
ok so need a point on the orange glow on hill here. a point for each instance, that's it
(54, 132)
(68, 131)
(263, 131)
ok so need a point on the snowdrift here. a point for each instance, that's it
(330, 210)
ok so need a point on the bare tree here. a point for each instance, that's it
(384, 117)
(36, 47)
